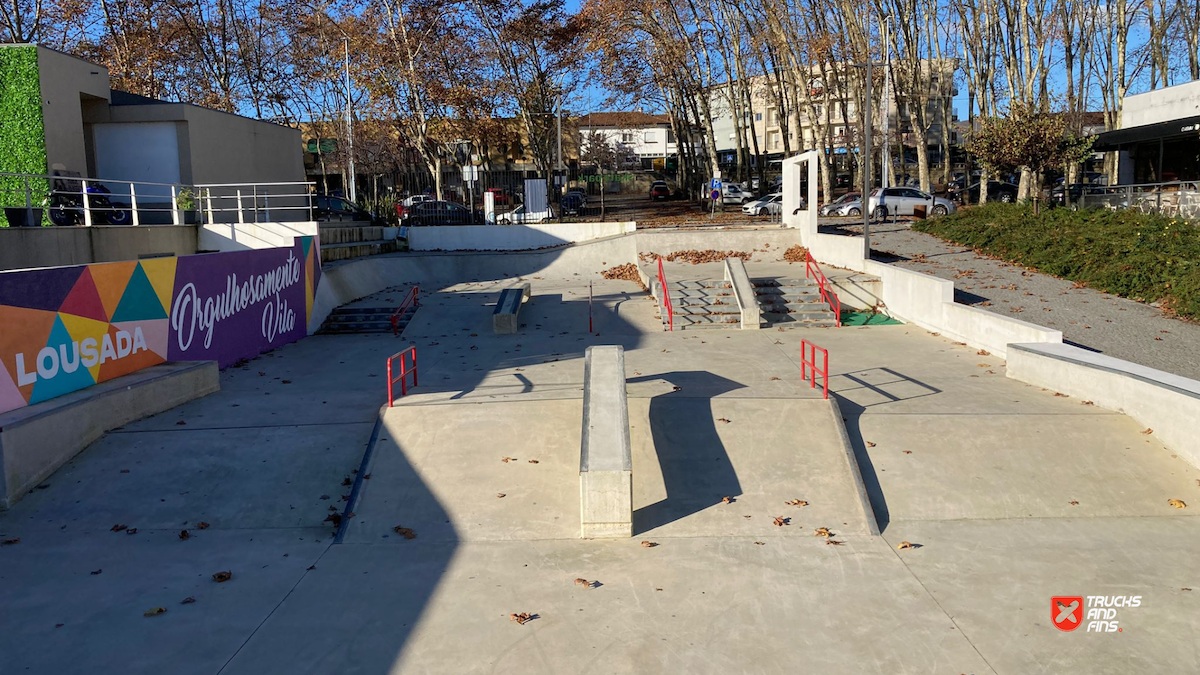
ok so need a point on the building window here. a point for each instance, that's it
(773, 140)
(771, 117)
(626, 136)
(648, 137)
(757, 117)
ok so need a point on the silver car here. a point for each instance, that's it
(772, 204)
(902, 201)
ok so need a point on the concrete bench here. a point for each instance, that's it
(605, 461)
(508, 309)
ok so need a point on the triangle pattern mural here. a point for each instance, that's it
(110, 279)
(139, 301)
(81, 330)
(161, 273)
(84, 300)
(62, 364)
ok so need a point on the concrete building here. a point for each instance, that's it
(1159, 137)
(637, 137)
(90, 129)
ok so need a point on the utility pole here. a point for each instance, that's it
(866, 192)
(885, 151)
(350, 192)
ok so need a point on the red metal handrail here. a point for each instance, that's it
(405, 371)
(813, 270)
(410, 300)
(808, 362)
(662, 283)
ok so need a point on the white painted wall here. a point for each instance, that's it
(644, 141)
(510, 237)
(1161, 105)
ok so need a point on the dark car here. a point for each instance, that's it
(572, 204)
(997, 192)
(330, 209)
(1076, 193)
(660, 190)
(441, 213)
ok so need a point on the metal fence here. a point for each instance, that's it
(1179, 199)
(65, 199)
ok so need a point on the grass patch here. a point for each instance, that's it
(1147, 258)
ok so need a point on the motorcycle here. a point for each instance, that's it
(66, 204)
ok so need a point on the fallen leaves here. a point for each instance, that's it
(904, 545)
(222, 577)
(506, 460)
(626, 272)
(1087, 403)
(833, 542)
(822, 532)
(586, 584)
(521, 618)
(405, 532)
(1074, 502)
(780, 521)
(184, 535)
(118, 528)
(11, 542)
(187, 601)
(649, 544)
(870, 444)
(795, 254)
(727, 500)
(1177, 503)
(97, 573)
(773, 379)
(500, 495)
(722, 420)
(533, 461)
(1148, 431)
(696, 257)
(155, 611)
(983, 352)
(202, 525)
(796, 502)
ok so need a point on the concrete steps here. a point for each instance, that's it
(702, 304)
(792, 302)
(351, 320)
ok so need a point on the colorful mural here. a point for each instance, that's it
(66, 328)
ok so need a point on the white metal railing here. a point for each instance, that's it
(1175, 199)
(77, 200)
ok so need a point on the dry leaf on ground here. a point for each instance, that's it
(833, 542)
(1148, 431)
(522, 618)
(822, 532)
(222, 577)
(780, 521)
(649, 544)
(11, 542)
(905, 545)
(500, 495)
(155, 612)
(796, 502)
(727, 500)
(187, 601)
(870, 444)
(184, 535)
(1177, 503)
(405, 532)
(202, 525)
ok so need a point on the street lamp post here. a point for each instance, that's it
(350, 192)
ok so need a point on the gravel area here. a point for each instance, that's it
(1102, 322)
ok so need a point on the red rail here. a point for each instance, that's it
(813, 271)
(409, 301)
(808, 366)
(662, 284)
(406, 369)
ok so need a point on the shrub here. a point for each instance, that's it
(1148, 258)
(22, 136)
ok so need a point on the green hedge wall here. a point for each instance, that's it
(22, 136)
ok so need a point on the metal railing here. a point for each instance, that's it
(590, 305)
(1175, 199)
(405, 371)
(808, 366)
(813, 270)
(66, 199)
(662, 284)
(410, 301)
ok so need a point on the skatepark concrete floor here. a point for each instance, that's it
(297, 483)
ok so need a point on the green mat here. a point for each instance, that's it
(850, 318)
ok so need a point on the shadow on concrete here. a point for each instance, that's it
(872, 382)
(695, 466)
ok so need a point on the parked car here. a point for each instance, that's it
(327, 209)
(572, 204)
(831, 208)
(851, 207)
(997, 192)
(772, 204)
(520, 216)
(499, 196)
(732, 193)
(578, 191)
(903, 201)
(660, 190)
(434, 212)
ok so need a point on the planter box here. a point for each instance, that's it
(18, 216)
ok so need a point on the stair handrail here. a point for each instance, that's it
(410, 300)
(813, 271)
(662, 283)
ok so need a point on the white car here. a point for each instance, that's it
(731, 193)
(901, 201)
(519, 216)
(772, 204)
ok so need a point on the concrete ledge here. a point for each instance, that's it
(1167, 403)
(36, 440)
(605, 458)
(505, 318)
(743, 292)
(860, 487)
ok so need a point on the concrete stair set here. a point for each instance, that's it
(711, 304)
(347, 320)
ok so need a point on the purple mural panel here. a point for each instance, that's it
(229, 306)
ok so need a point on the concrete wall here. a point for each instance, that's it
(245, 236)
(66, 82)
(1161, 105)
(509, 237)
(1168, 404)
(666, 241)
(22, 247)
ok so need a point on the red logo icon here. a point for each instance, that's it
(1066, 611)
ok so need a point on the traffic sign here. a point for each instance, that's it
(716, 194)
(716, 183)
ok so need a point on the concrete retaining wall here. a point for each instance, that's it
(667, 241)
(510, 237)
(24, 247)
(36, 440)
(246, 236)
(1168, 404)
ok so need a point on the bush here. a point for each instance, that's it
(22, 137)
(1148, 258)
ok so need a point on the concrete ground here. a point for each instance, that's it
(1009, 494)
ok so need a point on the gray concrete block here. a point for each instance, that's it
(743, 292)
(605, 458)
(36, 440)
(506, 316)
